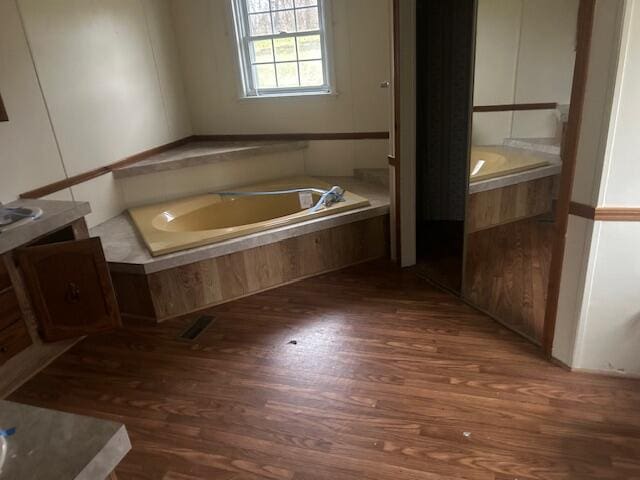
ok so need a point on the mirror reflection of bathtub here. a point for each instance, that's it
(499, 166)
(507, 184)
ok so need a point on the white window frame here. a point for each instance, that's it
(243, 39)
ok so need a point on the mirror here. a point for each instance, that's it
(525, 55)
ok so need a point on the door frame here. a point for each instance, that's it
(402, 160)
(570, 148)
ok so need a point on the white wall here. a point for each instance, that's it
(360, 46)
(110, 76)
(28, 154)
(598, 326)
(524, 54)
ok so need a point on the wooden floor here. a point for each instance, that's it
(507, 273)
(388, 379)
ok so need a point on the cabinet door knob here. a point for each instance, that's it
(73, 293)
(385, 84)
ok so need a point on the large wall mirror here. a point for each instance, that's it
(525, 55)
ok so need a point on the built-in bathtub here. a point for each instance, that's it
(499, 166)
(491, 162)
(508, 184)
(204, 219)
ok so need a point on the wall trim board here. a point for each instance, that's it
(605, 214)
(514, 107)
(258, 137)
(106, 169)
(617, 214)
(97, 172)
(582, 210)
(3, 112)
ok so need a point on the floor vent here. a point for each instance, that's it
(196, 328)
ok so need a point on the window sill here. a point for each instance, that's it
(277, 96)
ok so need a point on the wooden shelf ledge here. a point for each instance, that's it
(196, 153)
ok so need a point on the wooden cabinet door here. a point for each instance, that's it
(70, 288)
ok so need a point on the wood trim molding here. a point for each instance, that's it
(259, 137)
(582, 210)
(617, 214)
(569, 155)
(3, 112)
(97, 172)
(515, 107)
(605, 214)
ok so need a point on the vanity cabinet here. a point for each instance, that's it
(70, 288)
(55, 288)
(14, 336)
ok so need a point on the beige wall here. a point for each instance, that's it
(524, 53)
(110, 76)
(28, 154)
(359, 49)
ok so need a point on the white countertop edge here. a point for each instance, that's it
(108, 458)
(49, 222)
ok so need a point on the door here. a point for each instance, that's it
(70, 288)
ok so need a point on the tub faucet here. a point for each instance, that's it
(334, 195)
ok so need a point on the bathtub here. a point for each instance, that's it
(498, 161)
(203, 219)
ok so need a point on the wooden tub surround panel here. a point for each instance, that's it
(176, 291)
(388, 379)
(508, 204)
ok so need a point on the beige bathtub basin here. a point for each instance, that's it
(210, 218)
(492, 162)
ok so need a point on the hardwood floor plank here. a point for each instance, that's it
(388, 379)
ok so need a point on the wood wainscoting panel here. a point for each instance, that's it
(189, 288)
(507, 204)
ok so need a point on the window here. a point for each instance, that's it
(282, 46)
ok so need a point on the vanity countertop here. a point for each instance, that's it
(48, 444)
(55, 214)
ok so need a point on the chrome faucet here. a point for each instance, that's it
(334, 195)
